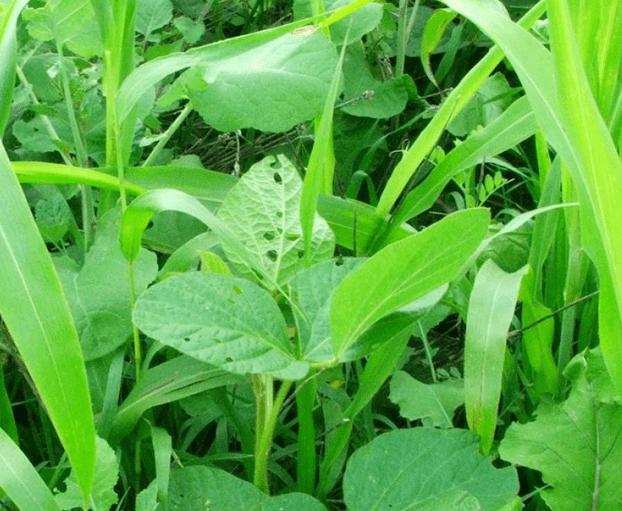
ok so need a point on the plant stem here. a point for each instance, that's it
(307, 457)
(267, 414)
(169, 133)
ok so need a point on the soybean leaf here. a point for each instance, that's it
(192, 487)
(20, 480)
(147, 500)
(575, 444)
(230, 323)
(190, 30)
(102, 495)
(99, 292)
(403, 272)
(311, 291)
(491, 309)
(263, 212)
(71, 22)
(425, 468)
(36, 313)
(435, 401)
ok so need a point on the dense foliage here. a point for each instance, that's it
(314, 257)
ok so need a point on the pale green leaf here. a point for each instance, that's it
(271, 87)
(263, 212)
(103, 496)
(71, 22)
(230, 323)
(575, 445)
(435, 401)
(99, 292)
(192, 487)
(420, 468)
(152, 15)
(491, 309)
(403, 272)
(190, 30)
(434, 30)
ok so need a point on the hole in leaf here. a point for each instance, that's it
(237, 290)
(339, 262)
(279, 214)
(292, 237)
(276, 164)
(218, 341)
(187, 339)
(229, 359)
(279, 230)
(268, 236)
(149, 225)
(272, 255)
(277, 178)
(301, 254)
(231, 301)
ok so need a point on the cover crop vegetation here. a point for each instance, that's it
(314, 257)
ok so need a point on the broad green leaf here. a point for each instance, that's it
(102, 495)
(420, 468)
(263, 212)
(147, 500)
(37, 316)
(99, 292)
(20, 480)
(355, 224)
(509, 129)
(152, 15)
(192, 487)
(436, 401)
(403, 272)
(575, 445)
(230, 323)
(71, 22)
(262, 87)
(387, 98)
(190, 30)
(311, 291)
(141, 210)
(491, 309)
(53, 217)
(170, 381)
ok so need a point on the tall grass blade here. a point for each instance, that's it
(569, 117)
(36, 313)
(20, 480)
(491, 309)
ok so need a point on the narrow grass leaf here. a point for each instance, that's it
(403, 272)
(491, 309)
(21, 481)
(516, 124)
(36, 313)
(569, 117)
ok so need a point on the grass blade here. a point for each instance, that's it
(36, 313)
(20, 480)
(491, 308)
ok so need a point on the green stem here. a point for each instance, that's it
(263, 386)
(307, 457)
(167, 136)
(403, 30)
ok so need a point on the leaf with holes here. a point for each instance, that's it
(263, 210)
(230, 323)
